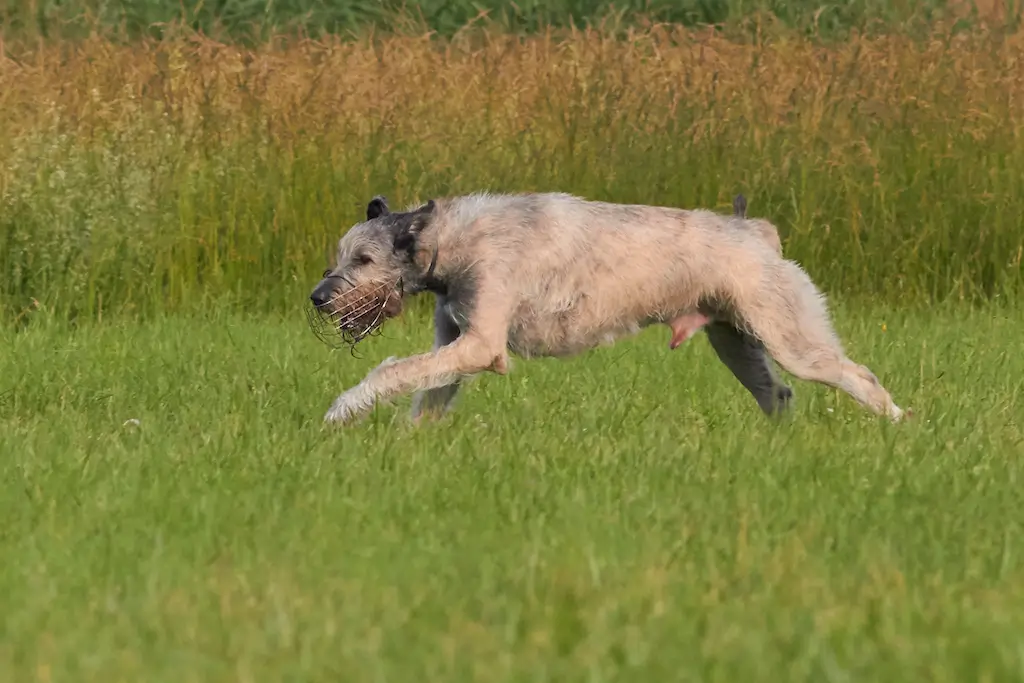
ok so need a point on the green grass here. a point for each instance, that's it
(624, 516)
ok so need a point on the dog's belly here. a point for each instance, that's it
(560, 315)
(541, 337)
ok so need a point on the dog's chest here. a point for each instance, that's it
(457, 314)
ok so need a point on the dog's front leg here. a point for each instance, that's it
(468, 355)
(435, 401)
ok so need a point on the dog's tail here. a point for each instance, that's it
(739, 206)
(769, 233)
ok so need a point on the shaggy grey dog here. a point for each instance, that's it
(550, 274)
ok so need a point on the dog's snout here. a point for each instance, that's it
(321, 295)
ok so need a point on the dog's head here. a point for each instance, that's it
(373, 270)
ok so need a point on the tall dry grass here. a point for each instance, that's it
(168, 174)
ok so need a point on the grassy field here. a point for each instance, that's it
(624, 516)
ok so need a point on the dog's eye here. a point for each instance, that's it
(363, 259)
(327, 272)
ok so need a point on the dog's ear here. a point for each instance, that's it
(377, 207)
(410, 225)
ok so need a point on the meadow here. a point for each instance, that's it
(628, 515)
(174, 510)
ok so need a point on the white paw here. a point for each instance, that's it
(897, 414)
(350, 405)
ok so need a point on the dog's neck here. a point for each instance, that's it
(429, 281)
(428, 240)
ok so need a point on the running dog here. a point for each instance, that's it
(551, 274)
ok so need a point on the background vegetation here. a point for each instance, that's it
(174, 172)
(257, 19)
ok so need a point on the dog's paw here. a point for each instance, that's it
(897, 414)
(348, 407)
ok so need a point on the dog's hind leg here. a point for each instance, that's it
(746, 358)
(790, 318)
(435, 402)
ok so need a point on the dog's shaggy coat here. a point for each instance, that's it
(551, 274)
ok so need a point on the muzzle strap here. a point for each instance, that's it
(429, 275)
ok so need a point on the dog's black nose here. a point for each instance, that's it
(320, 296)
